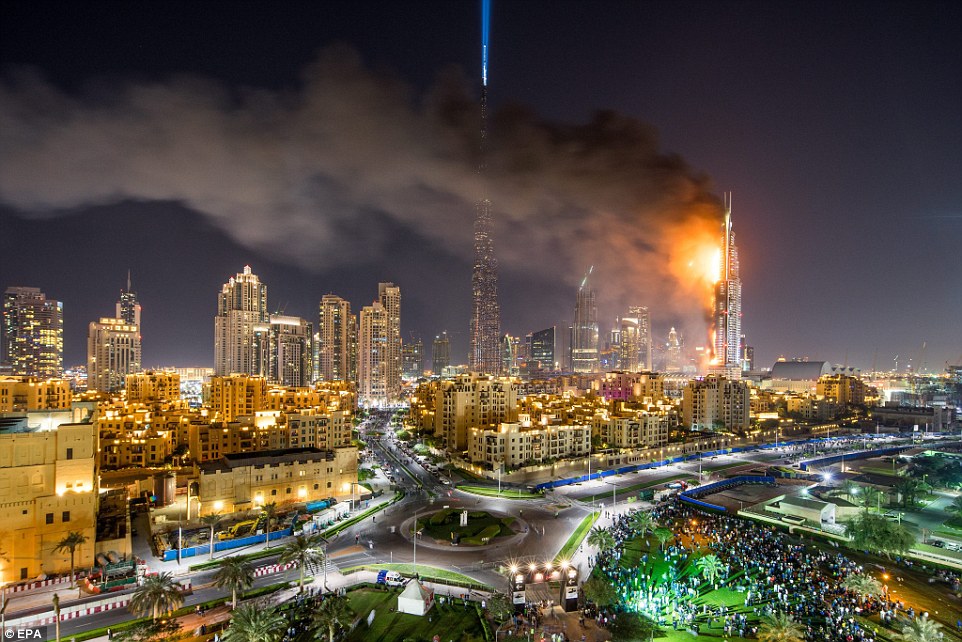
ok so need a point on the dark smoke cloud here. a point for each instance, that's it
(305, 174)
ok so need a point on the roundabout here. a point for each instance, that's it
(456, 529)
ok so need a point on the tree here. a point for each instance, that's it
(254, 623)
(864, 585)
(158, 595)
(234, 574)
(500, 608)
(921, 629)
(211, 520)
(56, 612)
(148, 631)
(663, 534)
(303, 551)
(780, 627)
(851, 490)
(872, 497)
(601, 538)
(955, 506)
(71, 543)
(710, 567)
(908, 488)
(641, 521)
(598, 590)
(333, 614)
(629, 627)
(874, 532)
(270, 510)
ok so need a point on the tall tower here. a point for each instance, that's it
(337, 340)
(440, 354)
(372, 360)
(290, 351)
(636, 340)
(584, 332)
(32, 333)
(240, 325)
(389, 296)
(128, 308)
(728, 299)
(113, 352)
(486, 311)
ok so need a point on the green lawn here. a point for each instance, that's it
(446, 525)
(506, 493)
(575, 539)
(450, 621)
(634, 488)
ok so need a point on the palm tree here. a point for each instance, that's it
(864, 585)
(234, 574)
(663, 534)
(921, 629)
(270, 510)
(908, 488)
(601, 538)
(333, 613)
(851, 490)
(158, 595)
(871, 496)
(710, 567)
(303, 551)
(253, 623)
(56, 611)
(641, 521)
(211, 520)
(780, 627)
(71, 542)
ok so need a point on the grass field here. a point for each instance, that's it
(575, 539)
(451, 621)
(634, 488)
(506, 493)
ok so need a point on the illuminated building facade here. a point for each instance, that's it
(236, 396)
(48, 489)
(450, 407)
(440, 353)
(515, 444)
(635, 340)
(716, 403)
(673, 355)
(336, 340)
(32, 333)
(128, 308)
(544, 353)
(412, 359)
(20, 394)
(584, 337)
(113, 352)
(152, 387)
(379, 348)
(389, 296)
(290, 351)
(728, 301)
(241, 313)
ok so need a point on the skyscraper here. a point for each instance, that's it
(584, 334)
(290, 351)
(412, 359)
(372, 361)
(486, 311)
(128, 308)
(389, 296)
(113, 352)
(673, 358)
(337, 340)
(440, 354)
(241, 312)
(544, 350)
(728, 300)
(32, 333)
(636, 340)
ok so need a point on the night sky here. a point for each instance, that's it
(332, 145)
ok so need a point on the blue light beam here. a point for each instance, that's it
(485, 28)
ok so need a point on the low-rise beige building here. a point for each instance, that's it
(153, 387)
(639, 429)
(716, 403)
(237, 395)
(240, 482)
(48, 489)
(516, 444)
(20, 394)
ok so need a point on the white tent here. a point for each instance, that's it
(415, 599)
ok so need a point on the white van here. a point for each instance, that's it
(390, 578)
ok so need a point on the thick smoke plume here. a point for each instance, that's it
(307, 174)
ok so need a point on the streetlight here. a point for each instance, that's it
(614, 498)
(415, 540)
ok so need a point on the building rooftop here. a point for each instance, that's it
(801, 502)
(800, 370)
(267, 458)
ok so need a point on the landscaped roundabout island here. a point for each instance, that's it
(464, 528)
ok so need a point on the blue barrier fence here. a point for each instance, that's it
(866, 454)
(691, 495)
(171, 555)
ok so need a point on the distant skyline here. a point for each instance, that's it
(331, 146)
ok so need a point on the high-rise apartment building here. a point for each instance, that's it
(716, 404)
(372, 355)
(290, 351)
(239, 326)
(584, 337)
(389, 296)
(337, 340)
(635, 345)
(440, 353)
(728, 300)
(113, 352)
(544, 350)
(412, 359)
(32, 333)
(673, 357)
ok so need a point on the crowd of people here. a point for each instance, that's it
(772, 571)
